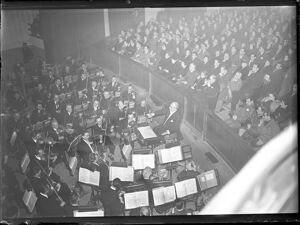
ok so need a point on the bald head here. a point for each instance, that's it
(174, 107)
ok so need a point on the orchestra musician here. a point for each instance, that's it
(57, 88)
(99, 164)
(15, 131)
(82, 82)
(94, 109)
(99, 76)
(49, 205)
(119, 119)
(70, 119)
(39, 114)
(117, 95)
(112, 199)
(56, 139)
(37, 178)
(100, 132)
(113, 85)
(172, 119)
(71, 122)
(142, 109)
(106, 101)
(93, 91)
(55, 108)
(129, 94)
(40, 94)
(80, 98)
(43, 159)
(55, 132)
(85, 148)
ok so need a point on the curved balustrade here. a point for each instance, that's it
(235, 151)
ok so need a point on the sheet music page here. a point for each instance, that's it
(186, 187)
(140, 161)
(89, 177)
(32, 201)
(147, 132)
(158, 196)
(130, 201)
(209, 176)
(136, 199)
(98, 213)
(211, 179)
(142, 198)
(94, 178)
(25, 162)
(163, 195)
(170, 194)
(26, 197)
(137, 163)
(170, 154)
(29, 199)
(123, 173)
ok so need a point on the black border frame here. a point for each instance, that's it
(87, 4)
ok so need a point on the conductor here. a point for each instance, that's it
(171, 122)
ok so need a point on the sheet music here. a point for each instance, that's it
(163, 195)
(88, 177)
(13, 138)
(25, 162)
(147, 132)
(170, 154)
(186, 187)
(209, 176)
(140, 161)
(207, 179)
(29, 199)
(136, 199)
(123, 173)
(98, 213)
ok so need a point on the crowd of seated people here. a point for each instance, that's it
(231, 56)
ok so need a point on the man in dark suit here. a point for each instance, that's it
(57, 88)
(171, 122)
(39, 94)
(55, 108)
(93, 91)
(47, 204)
(81, 83)
(111, 199)
(113, 85)
(38, 114)
(106, 101)
(70, 120)
(71, 123)
(85, 148)
(54, 132)
(100, 132)
(60, 145)
(129, 94)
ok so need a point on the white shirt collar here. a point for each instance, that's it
(89, 145)
(169, 117)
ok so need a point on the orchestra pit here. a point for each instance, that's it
(138, 112)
